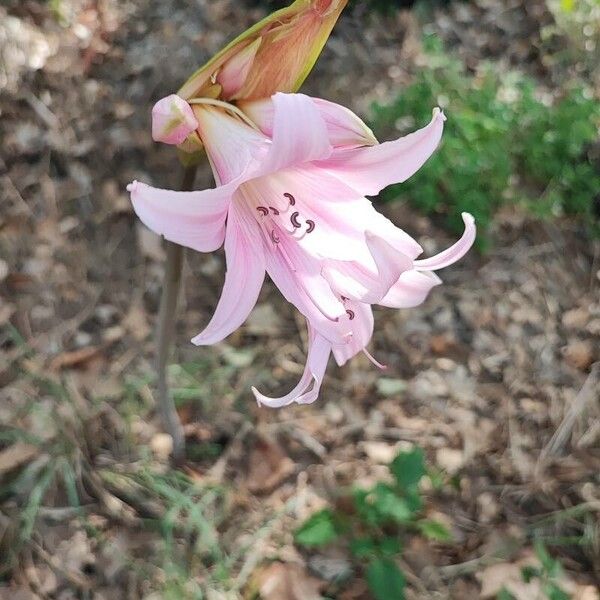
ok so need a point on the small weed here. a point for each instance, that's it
(375, 524)
(547, 573)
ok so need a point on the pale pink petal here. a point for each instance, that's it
(455, 252)
(299, 291)
(298, 277)
(307, 389)
(192, 219)
(234, 72)
(369, 170)
(340, 216)
(231, 144)
(411, 289)
(299, 133)
(360, 319)
(356, 281)
(172, 120)
(344, 128)
(243, 280)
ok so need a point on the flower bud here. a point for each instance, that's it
(275, 55)
(172, 120)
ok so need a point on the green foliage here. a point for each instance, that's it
(548, 572)
(318, 530)
(503, 142)
(375, 525)
(385, 579)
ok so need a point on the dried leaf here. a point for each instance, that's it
(283, 581)
(269, 465)
(16, 455)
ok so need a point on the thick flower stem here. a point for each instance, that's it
(164, 334)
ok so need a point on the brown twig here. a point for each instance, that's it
(164, 335)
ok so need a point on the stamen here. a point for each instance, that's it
(350, 313)
(294, 220)
(290, 198)
(262, 210)
(311, 226)
(274, 237)
(344, 299)
(275, 211)
(373, 360)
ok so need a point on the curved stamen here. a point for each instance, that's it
(294, 220)
(290, 198)
(350, 313)
(311, 225)
(262, 210)
(274, 237)
(274, 210)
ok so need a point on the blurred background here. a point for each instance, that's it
(469, 469)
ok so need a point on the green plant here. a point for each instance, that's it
(547, 573)
(374, 523)
(504, 143)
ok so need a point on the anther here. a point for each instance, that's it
(351, 314)
(311, 226)
(274, 237)
(262, 210)
(290, 198)
(294, 220)
(274, 210)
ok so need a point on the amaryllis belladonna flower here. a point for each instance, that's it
(292, 174)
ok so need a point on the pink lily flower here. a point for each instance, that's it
(292, 173)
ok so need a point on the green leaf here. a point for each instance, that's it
(385, 580)
(528, 573)
(408, 468)
(387, 503)
(387, 386)
(317, 530)
(363, 547)
(390, 546)
(504, 594)
(567, 5)
(554, 592)
(551, 566)
(434, 530)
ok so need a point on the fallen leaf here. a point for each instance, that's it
(450, 460)
(579, 354)
(16, 455)
(76, 358)
(136, 322)
(269, 465)
(284, 581)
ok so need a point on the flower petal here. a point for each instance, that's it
(192, 219)
(305, 292)
(172, 120)
(411, 289)
(234, 72)
(319, 350)
(231, 144)
(299, 133)
(360, 319)
(344, 128)
(340, 215)
(356, 281)
(369, 170)
(243, 280)
(455, 252)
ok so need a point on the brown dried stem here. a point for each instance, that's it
(164, 334)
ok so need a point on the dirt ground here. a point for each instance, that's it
(496, 376)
